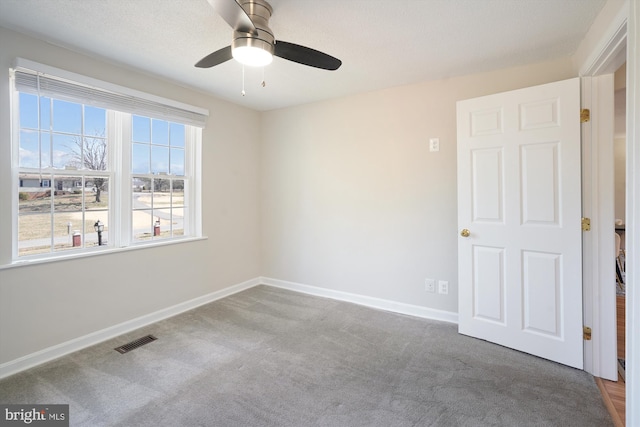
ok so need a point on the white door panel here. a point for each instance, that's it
(519, 194)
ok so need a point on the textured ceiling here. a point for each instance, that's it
(382, 43)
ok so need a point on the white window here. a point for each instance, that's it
(100, 166)
(158, 178)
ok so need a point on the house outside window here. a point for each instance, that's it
(87, 154)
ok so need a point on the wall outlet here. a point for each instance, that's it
(443, 287)
(430, 285)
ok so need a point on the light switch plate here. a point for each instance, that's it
(443, 286)
(434, 144)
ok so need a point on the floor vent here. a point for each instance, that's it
(135, 344)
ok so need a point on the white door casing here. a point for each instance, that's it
(519, 195)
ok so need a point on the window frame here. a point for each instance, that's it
(119, 146)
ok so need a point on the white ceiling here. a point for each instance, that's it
(382, 43)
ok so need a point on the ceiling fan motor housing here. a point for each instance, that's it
(259, 11)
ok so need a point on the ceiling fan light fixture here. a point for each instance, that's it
(253, 41)
(252, 56)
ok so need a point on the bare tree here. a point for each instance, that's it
(91, 153)
(161, 185)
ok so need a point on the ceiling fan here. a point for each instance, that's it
(253, 41)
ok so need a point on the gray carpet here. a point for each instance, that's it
(270, 357)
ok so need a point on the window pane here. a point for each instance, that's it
(160, 135)
(67, 196)
(178, 221)
(67, 116)
(140, 186)
(142, 221)
(162, 200)
(177, 135)
(177, 195)
(67, 229)
(66, 151)
(45, 150)
(140, 158)
(95, 154)
(177, 161)
(161, 188)
(95, 121)
(147, 217)
(96, 193)
(29, 149)
(141, 129)
(45, 113)
(34, 234)
(34, 193)
(162, 223)
(92, 237)
(159, 159)
(34, 214)
(142, 203)
(28, 111)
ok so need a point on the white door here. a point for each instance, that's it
(519, 197)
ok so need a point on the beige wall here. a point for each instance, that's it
(47, 304)
(354, 201)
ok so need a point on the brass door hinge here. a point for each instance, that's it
(586, 224)
(585, 115)
(586, 333)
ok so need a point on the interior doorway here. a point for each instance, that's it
(620, 158)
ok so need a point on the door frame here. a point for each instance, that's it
(598, 244)
(598, 269)
(633, 216)
(623, 31)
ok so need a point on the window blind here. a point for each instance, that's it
(37, 83)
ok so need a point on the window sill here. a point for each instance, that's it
(98, 252)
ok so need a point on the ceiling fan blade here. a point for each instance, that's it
(305, 55)
(234, 15)
(215, 58)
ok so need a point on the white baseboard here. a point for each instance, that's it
(393, 306)
(56, 351)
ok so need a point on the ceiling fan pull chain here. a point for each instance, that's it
(264, 83)
(243, 92)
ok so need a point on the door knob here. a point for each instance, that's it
(465, 233)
